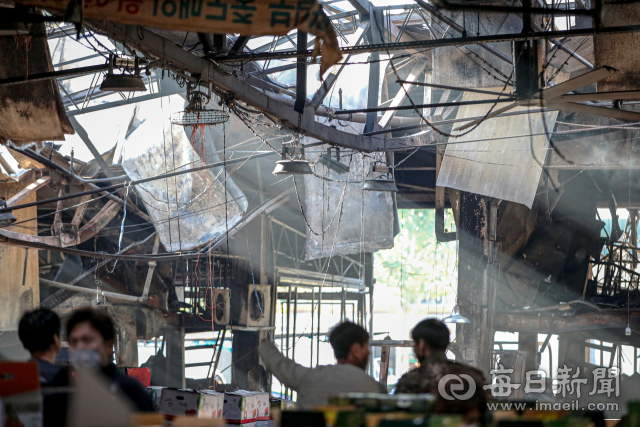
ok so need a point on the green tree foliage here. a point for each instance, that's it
(421, 269)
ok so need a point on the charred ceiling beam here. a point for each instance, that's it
(82, 133)
(223, 77)
(54, 74)
(205, 41)
(436, 43)
(239, 44)
(610, 319)
(301, 75)
(443, 4)
(374, 36)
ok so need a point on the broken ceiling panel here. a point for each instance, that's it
(188, 211)
(366, 221)
(496, 158)
(30, 111)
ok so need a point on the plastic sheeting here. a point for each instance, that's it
(188, 211)
(366, 221)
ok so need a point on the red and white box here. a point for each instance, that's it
(241, 407)
(210, 404)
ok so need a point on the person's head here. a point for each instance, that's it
(39, 331)
(91, 331)
(350, 344)
(430, 337)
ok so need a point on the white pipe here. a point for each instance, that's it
(92, 291)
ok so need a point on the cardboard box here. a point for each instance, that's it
(241, 407)
(210, 404)
(173, 401)
(20, 392)
(264, 406)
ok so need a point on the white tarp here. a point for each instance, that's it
(366, 223)
(188, 210)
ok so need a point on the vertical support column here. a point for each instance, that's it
(360, 315)
(374, 37)
(264, 251)
(295, 322)
(319, 326)
(571, 351)
(427, 96)
(528, 341)
(244, 356)
(126, 346)
(488, 326)
(385, 351)
(219, 41)
(301, 74)
(174, 338)
(473, 274)
(313, 301)
(368, 284)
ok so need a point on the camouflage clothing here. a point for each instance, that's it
(425, 379)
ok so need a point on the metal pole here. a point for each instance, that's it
(364, 308)
(343, 307)
(295, 318)
(371, 326)
(318, 342)
(286, 390)
(281, 335)
(313, 301)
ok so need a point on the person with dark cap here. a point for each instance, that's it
(314, 386)
(91, 337)
(39, 332)
(458, 388)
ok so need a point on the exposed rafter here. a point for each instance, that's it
(224, 78)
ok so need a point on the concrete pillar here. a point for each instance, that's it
(244, 356)
(528, 341)
(174, 338)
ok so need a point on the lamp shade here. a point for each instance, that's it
(292, 167)
(386, 185)
(455, 316)
(122, 83)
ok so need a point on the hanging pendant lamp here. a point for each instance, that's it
(455, 316)
(385, 182)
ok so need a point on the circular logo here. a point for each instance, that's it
(456, 387)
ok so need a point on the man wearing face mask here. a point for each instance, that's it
(314, 386)
(461, 393)
(91, 336)
(39, 332)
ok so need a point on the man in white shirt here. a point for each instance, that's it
(314, 386)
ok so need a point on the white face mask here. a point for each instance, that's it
(86, 359)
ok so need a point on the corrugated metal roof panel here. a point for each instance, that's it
(496, 158)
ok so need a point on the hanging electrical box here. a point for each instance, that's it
(221, 303)
(251, 305)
